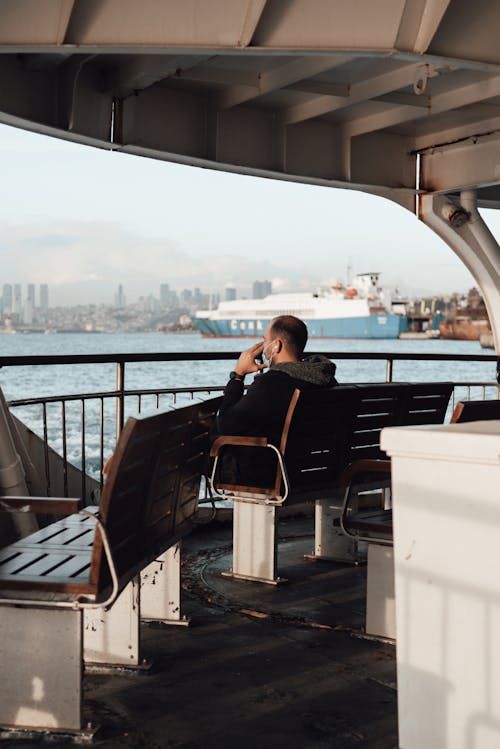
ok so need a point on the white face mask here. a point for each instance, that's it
(267, 357)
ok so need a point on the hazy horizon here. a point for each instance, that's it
(84, 220)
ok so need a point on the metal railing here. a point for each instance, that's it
(93, 418)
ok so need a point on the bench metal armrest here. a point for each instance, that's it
(355, 470)
(240, 441)
(47, 505)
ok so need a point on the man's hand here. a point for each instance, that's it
(246, 363)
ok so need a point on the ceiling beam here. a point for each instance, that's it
(419, 22)
(281, 77)
(138, 73)
(456, 98)
(64, 19)
(252, 17)
(468, 164)
(364, 90)
(482, 125)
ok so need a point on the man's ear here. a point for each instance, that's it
(277, 346)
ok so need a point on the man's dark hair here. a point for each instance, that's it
(292, 330)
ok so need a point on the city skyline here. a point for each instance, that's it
(84, 220)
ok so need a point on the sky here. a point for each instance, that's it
(84, 220)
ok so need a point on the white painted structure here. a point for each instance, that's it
(447, 561)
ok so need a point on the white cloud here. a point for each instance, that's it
(83, 262)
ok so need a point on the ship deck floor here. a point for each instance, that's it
(260, 666)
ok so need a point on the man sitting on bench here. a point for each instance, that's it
(262, 410)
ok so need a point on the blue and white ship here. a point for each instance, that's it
(355, 311)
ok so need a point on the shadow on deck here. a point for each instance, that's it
(260, 666)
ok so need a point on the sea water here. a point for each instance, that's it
(34, 381)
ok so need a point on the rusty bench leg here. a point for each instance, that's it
(41, 668)
(254, 542)
(380, 602)
(161, 589)
(330, 542)
(111, 638)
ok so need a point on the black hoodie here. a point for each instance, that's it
(261, 412)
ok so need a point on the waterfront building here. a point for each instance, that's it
(27, 314)
(31, 294)
(120, 299)
(17, 299)
(44, 298)
(7, 299)
(261, 289)
(229, 294)
(164, 294)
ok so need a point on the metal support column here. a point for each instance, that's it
(461, 226)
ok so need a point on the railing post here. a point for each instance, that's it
(388, 370)
(120, 399)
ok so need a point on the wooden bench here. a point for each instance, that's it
(69, 593)
(486, 410)
(324, 431)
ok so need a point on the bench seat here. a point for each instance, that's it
(324, 431)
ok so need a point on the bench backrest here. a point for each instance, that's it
(476, 411)
(152, 489)
(331, 428)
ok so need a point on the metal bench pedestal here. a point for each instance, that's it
(161, 589)
(112, 637)
(330, 543)
(35, 691)
(255, 541)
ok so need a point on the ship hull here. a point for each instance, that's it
(464, 330)
(370, 326)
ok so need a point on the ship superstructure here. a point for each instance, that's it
(339, 311)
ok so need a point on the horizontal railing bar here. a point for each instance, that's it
(181, 391)
(174, 356)
(114, 394)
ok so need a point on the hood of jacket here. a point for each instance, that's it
(315, 370)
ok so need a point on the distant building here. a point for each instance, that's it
(164, 294)
(31, 294)
(260, 289)
(186, 297)
(27, 316)
(44, 298)
(17, 301)
(229, 294)
(120, 299)
(7, 299)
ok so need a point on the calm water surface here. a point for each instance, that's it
(23, 382)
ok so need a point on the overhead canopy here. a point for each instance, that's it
(382, 95)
